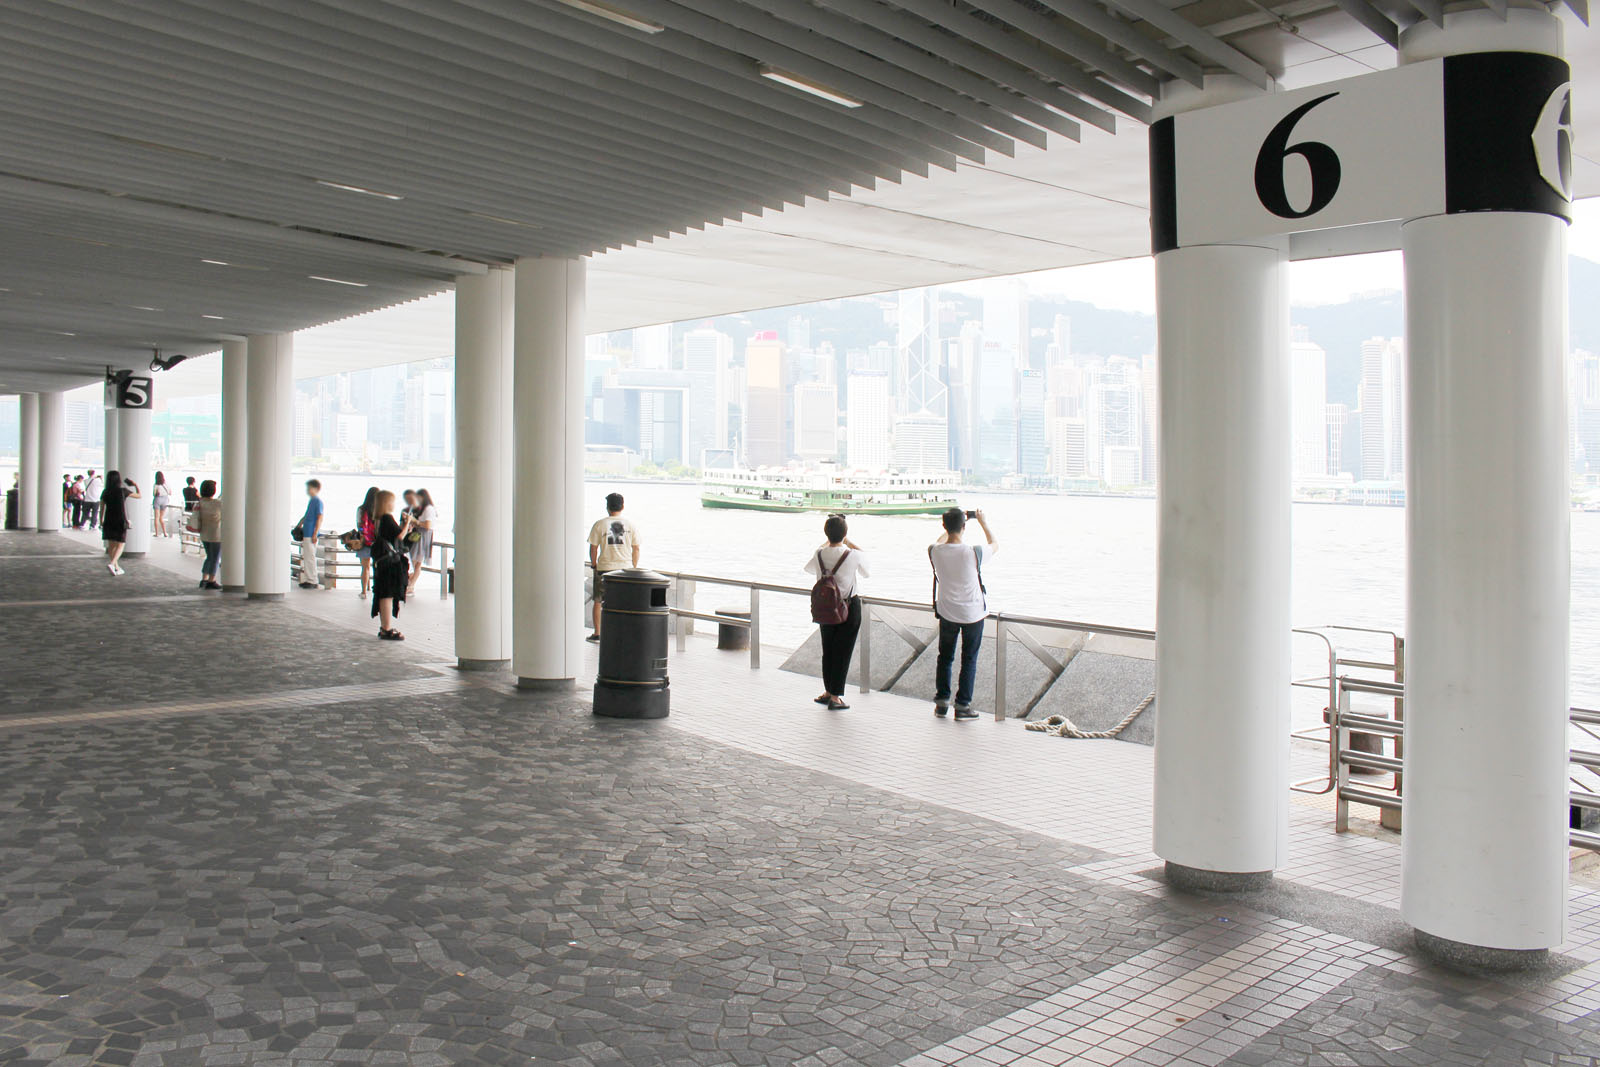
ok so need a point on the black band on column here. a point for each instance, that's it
(1163, 186)
(1507, 133)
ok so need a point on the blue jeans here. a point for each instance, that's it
(971, 634)
(213, 554)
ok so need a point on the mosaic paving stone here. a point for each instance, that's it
(490, 878)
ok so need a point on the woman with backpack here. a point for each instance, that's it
(836, 606)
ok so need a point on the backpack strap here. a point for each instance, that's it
(977, 561)
(934, 567)
(823, 571)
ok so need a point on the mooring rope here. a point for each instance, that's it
(1061, 726)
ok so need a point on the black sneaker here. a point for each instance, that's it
(593, 639)
(940, 708)
(964, 714)
(308, 585)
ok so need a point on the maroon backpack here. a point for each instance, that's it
(828, 604)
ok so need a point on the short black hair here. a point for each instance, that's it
(613, 502)
(955, 520)
(835, 529)
(312, 483)
(207, 487)
(190, 479)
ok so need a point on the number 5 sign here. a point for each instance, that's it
(1482, 132)
(133, 392)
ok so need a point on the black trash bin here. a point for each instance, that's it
(11, 509)
(634, 623)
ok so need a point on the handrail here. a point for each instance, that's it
(683, 610)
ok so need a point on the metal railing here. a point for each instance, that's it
(1008, 627)
(336, 561)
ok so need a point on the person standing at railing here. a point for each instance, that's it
(420, 540)
(388, 567)
(191, 495)
(310, 529)
(93, 490)
(613, 546)
(960, 603)
(366, 530)
(161, 496)
(76, 495)
(206, 520)
(838, 567)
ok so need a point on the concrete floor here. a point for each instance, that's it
(247, 833)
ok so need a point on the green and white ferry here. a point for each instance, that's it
(830, 489)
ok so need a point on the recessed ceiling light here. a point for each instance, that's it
(503, 219)
(215, 262)
(217, 317)
(615, 14)
(141, 307)
(806, 85)
(61, 333)
(335, 281)
(358, 189)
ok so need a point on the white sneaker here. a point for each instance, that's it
(363, 594)
(112, 567)
(117, 570)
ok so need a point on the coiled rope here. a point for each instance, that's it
(1061, 726)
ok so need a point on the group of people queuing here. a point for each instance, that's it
(393, 548)
(959, 603)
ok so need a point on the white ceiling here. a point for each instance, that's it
(139, 139)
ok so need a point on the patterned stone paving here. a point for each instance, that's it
(341, 853)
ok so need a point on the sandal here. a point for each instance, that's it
(838, 705)
(391, 635)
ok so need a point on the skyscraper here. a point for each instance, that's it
(1032, 461)
(1308, 420)
(867, 421)
(1382, 427)
(765, 402)
(652, 347)
(706, 355)
(922, 395)
(816, 421)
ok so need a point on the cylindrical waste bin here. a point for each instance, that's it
(11, 509)
(634, 623)
(730, 636)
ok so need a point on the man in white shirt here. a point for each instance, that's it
(613, 545)
(959, 602)
(91, 498)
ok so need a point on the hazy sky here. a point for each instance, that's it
(1129, 285)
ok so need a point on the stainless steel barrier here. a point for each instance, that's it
(1008, 627)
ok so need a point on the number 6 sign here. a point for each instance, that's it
(1483, 132)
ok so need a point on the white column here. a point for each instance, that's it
(269, 430)
(28, 462)
(548, 474)
(52, 441)
(234, 485)
(133, 461)
(1222, 590)
(109, 459)
(1484, 865)
(482, 536)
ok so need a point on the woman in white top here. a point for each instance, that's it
(424, 515)
(842, 560)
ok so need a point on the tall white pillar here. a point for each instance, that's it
(269, 430)
(52, 442)
(109, 459)
(1222, 590)
(484, 384)
(133, 461)
(1484, 865)
(28, 462)
(234, 485)
(548, 471)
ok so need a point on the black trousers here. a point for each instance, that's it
(838, 645)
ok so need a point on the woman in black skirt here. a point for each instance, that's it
(114, 517)
(390, 568)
